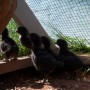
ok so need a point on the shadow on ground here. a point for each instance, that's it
(28, 79)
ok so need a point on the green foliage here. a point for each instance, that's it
(12, 27)
(76, 44)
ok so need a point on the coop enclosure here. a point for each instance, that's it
(68, 18)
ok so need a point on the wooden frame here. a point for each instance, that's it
(21, 63)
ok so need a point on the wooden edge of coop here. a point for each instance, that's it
(21, 63)
(85, 58)
(24, 62)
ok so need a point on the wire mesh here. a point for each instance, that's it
(69, 17)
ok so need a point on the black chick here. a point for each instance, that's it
(72, 62)
(47, 46)
(8, 46)
(25, 38)
(46, 43)
(43, 61)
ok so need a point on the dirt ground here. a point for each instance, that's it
(28, 79)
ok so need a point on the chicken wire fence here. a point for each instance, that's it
(70, 18)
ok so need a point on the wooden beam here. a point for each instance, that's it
(7, 8)
(25, 62)
(25, 16)
(21, 63)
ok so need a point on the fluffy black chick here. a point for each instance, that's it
(43, 60)
(46, 43)
(47, 46)
(25, 38)
(9, 48)
(72, 62)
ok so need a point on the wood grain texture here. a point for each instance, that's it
(7, 8)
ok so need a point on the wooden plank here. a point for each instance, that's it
(21, 63)
(24, 62)
(85, 58)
